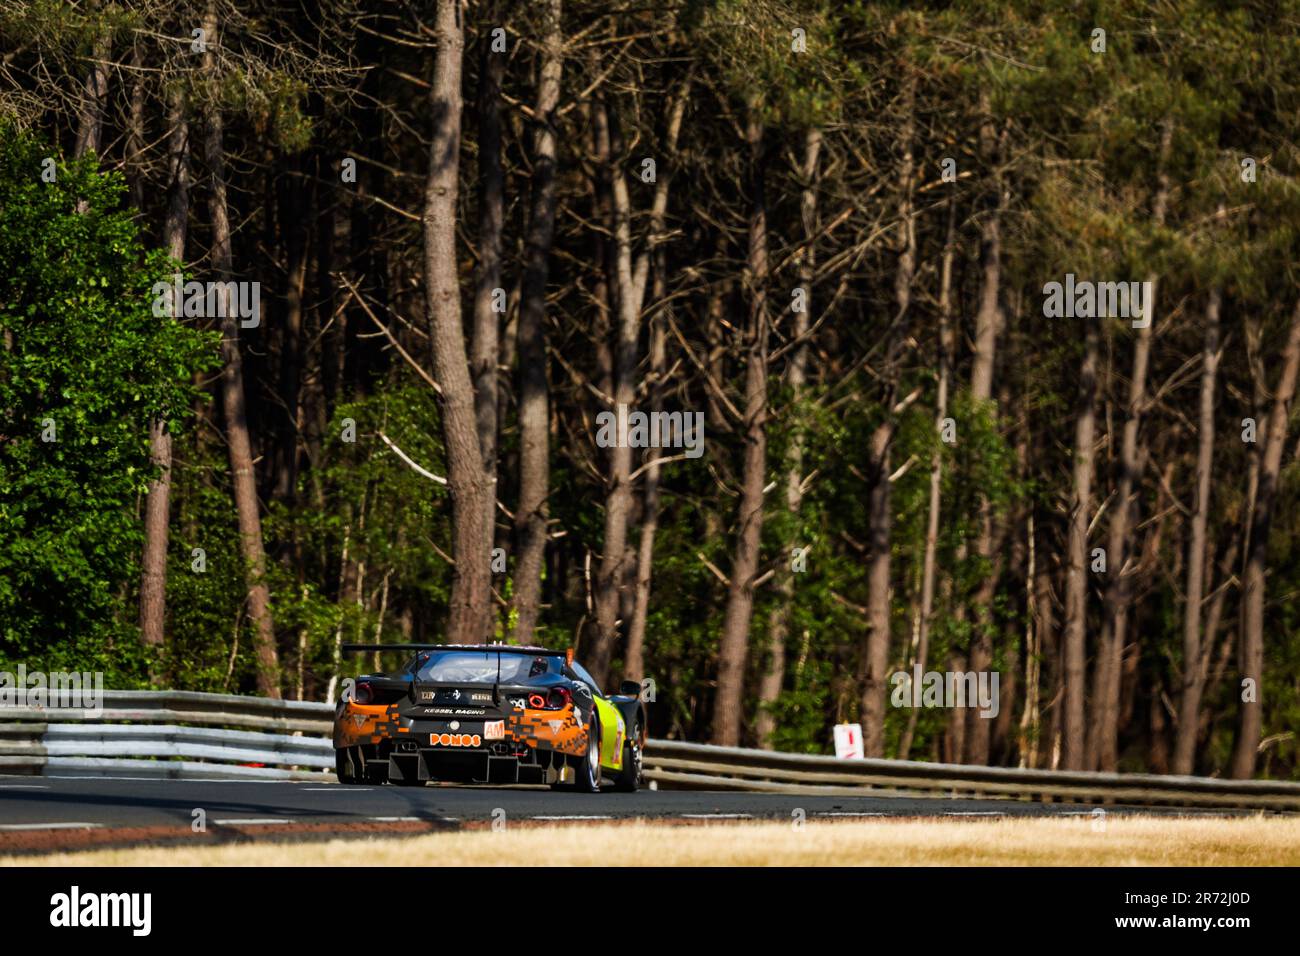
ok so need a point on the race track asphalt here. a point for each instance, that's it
(31, 803)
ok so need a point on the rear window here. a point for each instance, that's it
(470, 667)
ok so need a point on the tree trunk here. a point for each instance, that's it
(618, 499)
(233, 402)
(485, 339)
(988, 319)
(1214, 614)
(534, 401)
(929, 562)
(988, 325)
(875, 661)
(1193, 660)
(1047, 747)
(630, 283)
(90, 126)
(635, 668)
(157, 512)
(1027, 737)
(469, 615)
(135, 132)
(1103, 743)
(779, 622)
(1251, 651)
(298, 203)
(1076, 582)
(733, 649)
(876, 656)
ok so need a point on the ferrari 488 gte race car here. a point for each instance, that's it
(488, 713)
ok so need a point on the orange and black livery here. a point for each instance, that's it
(487, 713)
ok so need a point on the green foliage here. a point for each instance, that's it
(753, 44)
(205, 598)
(392, 521)
(356, 550)
(85, 362)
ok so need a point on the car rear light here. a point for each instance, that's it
(558, 698)
(363, 694)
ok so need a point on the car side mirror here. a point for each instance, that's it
(630, 688)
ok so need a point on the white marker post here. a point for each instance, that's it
(848, 741)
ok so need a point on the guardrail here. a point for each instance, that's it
(171, 734)
(700, 766)
(194, 735)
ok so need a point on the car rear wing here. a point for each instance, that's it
(483, 648)
(365, 648)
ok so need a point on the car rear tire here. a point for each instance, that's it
(344, 768)
(588, 769)
(628, 780)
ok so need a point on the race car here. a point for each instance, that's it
(488, 713)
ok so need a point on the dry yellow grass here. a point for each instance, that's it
(1075, 841)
